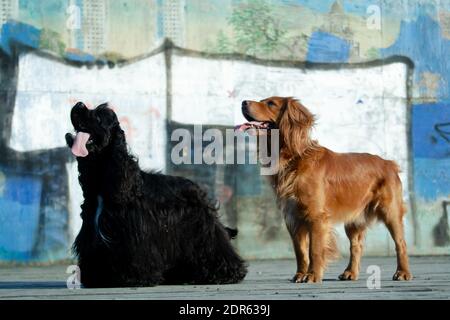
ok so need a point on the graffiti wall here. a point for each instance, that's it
(375, 73)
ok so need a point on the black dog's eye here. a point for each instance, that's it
(99, 120)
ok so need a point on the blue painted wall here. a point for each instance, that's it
(431, 149)
(20, 200)
(18, 33)
(325, 47)
(422, 41)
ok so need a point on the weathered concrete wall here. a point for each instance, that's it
(38, 189)
(373, 119)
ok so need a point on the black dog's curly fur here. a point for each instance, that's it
(141, 228)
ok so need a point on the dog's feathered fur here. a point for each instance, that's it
(319, 187)
(140, 228)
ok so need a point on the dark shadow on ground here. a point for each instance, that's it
(32, 284)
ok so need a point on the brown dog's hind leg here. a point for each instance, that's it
(395, 227)
(355, 234)
(391, 211)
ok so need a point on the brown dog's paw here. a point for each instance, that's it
(402, 275)
(298, 277)
(311, 277)
(348, 275)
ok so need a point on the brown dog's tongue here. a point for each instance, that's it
(79, 145)
(251, 125)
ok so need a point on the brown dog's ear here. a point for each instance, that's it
(295, 126)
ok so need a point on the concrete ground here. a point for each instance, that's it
(267, 279)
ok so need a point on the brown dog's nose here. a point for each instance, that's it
(244, 104)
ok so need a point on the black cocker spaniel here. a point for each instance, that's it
(142, 228)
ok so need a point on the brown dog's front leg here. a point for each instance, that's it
(301, 242)
(319, 233)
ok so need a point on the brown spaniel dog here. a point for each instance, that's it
(318, 188)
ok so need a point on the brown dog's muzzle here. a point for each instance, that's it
(253, 123)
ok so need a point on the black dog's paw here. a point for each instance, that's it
(232, 233)
(69, 140)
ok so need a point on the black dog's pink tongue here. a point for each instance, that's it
(79, 145)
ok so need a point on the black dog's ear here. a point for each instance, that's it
(80, 104)
(103, 106)
(79, 111)
(106, 115)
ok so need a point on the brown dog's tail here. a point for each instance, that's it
(398, 191)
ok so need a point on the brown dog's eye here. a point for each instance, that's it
(270, 103)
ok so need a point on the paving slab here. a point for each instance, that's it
(267, 279)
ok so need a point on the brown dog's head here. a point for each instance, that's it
(284, 113)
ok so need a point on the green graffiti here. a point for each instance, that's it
(256, 28)
(52, 41)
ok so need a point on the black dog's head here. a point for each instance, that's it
(94, 129)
